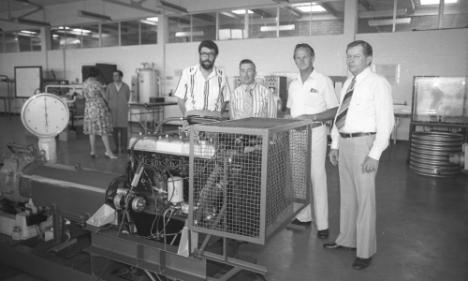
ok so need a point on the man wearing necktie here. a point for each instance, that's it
(252, 99)
(360, 134)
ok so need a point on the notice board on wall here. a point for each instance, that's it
(28, 79)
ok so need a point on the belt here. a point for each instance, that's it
(355, 135)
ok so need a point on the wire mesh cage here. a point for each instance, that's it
(248, 177)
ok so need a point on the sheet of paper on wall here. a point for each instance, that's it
(390, 71)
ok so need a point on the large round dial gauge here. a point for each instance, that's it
(45, 115)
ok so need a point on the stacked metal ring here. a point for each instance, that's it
(430, 151)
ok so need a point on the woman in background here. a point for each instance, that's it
(97, 118)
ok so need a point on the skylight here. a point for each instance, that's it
(436, 2)
(242, 12)
(309, 7)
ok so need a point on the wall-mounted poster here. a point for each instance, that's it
(28, 79)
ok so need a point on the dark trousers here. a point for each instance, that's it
(120, 139)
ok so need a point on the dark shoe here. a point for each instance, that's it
(333, 245)
(323, 234)
(360, 263)
(92, 155)
(303, 223)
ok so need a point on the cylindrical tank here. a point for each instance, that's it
(175, 190)
(148, 84)
(430, 153)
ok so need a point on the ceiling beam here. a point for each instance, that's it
(331, 10)
(262, 13)
(368, 6)
(133, 5)
(172, 7)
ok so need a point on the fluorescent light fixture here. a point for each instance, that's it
(280, 28)
(150, 21)
(389, 22)
(242, 12)
(188, 33)
(228, 14)
(92, 15)
(28, 32)
(309, 7)
(74, 31)
(81, 31)
(436, 2)
(153, 19)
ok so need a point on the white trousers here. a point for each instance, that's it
(319, 194)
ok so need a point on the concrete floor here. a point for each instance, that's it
(421, 222)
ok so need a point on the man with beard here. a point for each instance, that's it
(203, 88)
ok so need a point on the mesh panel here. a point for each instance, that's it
(287, 178)
(228, 185)
(244, 184)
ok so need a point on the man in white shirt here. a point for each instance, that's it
(361, 133)
(203, 88)
(311, 96)
(251, 99)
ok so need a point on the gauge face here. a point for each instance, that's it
(45, 115)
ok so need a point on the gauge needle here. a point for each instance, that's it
(45, 109)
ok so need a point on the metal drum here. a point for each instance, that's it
(148, 84)
(430, 153)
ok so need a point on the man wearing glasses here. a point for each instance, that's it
(203, 88)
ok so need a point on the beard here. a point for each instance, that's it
(207, 64)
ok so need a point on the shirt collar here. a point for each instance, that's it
(311, 76)
(363, 74)
(211, 75)
(249, 87)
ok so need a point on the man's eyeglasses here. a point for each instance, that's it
(205, 54)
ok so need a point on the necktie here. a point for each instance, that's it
(341, 117)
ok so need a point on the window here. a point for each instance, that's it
(90, 36)
(231, 26)
(109, 34)
(11, 42)
(66, 37)
(179, 29)
(149, 30)
(378, 16)
(262, 22)
(204, 27)
(455, 14)
(129, 33)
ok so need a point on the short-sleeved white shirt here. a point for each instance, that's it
(313, 96)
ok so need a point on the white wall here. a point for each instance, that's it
(443, 52)
(271, 55)
(438, 53)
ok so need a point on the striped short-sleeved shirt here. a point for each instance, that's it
(253, 100)
(203, 94)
